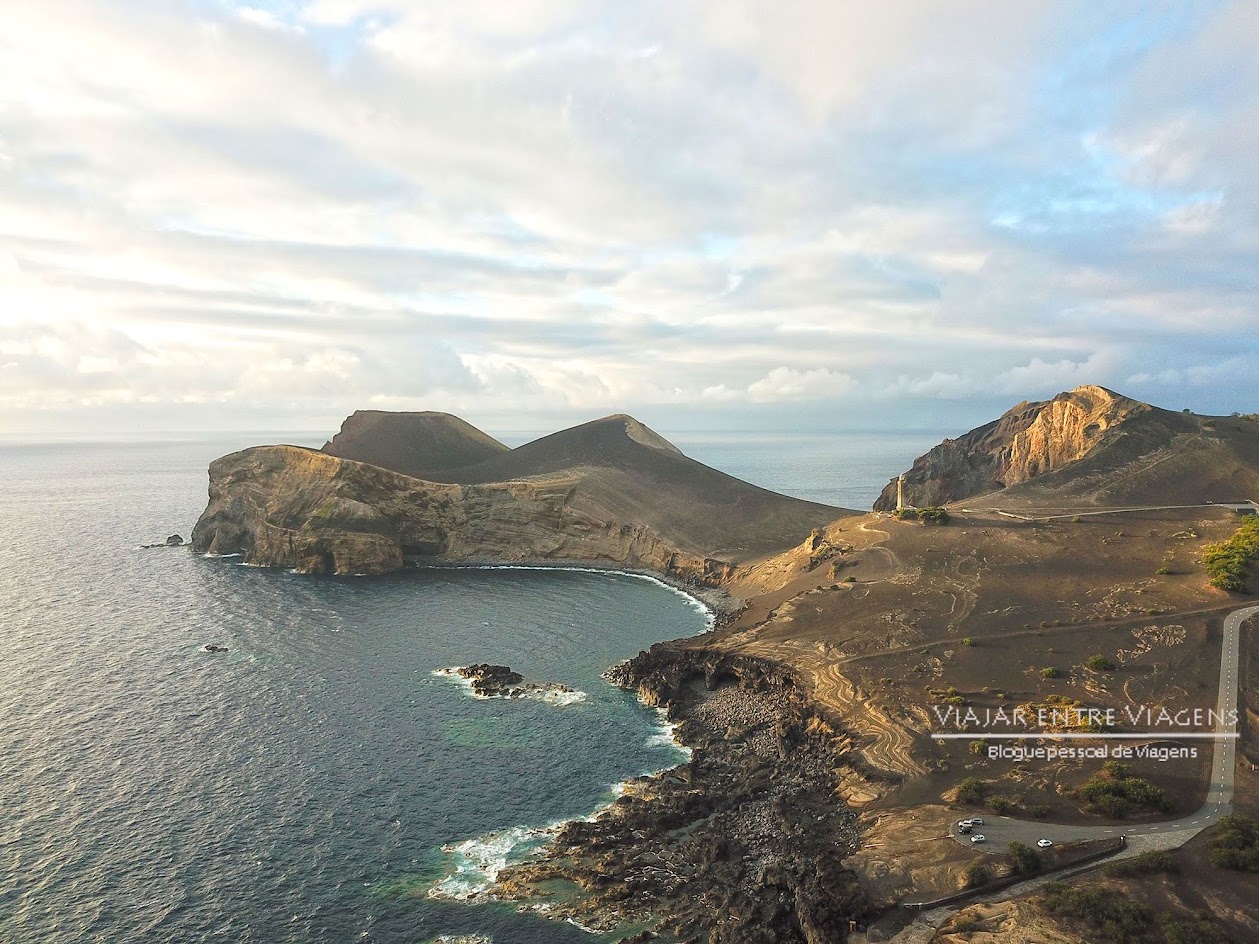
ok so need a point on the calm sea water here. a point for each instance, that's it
(303, 785)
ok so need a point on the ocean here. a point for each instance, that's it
(315, 781)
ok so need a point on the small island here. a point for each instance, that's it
(499, 681)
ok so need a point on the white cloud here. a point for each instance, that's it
(592, 206)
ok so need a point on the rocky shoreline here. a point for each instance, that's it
(745, 843)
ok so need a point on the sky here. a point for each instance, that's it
(808, 216)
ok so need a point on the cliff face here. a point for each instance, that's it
(283, 506)
(610, 492)
(1028, 441)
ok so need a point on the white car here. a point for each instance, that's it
(978, 839)
(1044, 843)
(963, 823)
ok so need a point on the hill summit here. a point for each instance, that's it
(1089, 446)
(423, 445)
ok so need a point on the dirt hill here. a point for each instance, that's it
(610, 491)
(423, 445)
(1089, 446)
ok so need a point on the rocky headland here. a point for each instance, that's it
(610, 493)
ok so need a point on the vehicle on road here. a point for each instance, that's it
(964, 830)
(1044, 843)
(976, 820)
(978, 839)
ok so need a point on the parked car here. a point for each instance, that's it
(978, 839)
(964, 829)
(1044, 843)
(976, 820)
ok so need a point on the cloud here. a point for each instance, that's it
(301, 207)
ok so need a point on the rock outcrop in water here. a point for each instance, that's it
(610, 492)
(746, 842)
(500, 681)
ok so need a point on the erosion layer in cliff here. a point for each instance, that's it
(611, 492)
(1089, 445)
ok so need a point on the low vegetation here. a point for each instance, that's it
(1114, 918)
(932, 514)
(978, 874)
(1116, 793)
(1100, 664)
(1226, 561)
(1024, 860)
(1235, 844)
(972, 790)
(1147, 863)
(1050, 672)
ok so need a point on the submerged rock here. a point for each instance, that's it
(213, 647)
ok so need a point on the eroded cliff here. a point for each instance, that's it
(1028, 441)
(284, 506)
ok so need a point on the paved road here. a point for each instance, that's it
(1001, 830)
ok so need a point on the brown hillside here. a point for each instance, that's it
(423, 445)
(609, 491)
(1089, 446)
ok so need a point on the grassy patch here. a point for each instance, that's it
(1147, 863)
(1226, 561)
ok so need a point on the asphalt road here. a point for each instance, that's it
(1001, 830)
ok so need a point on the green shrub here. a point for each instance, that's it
(1147, 863)
(933, 514)
(978, 874)
(972, 790)
(968, 642)
(1235, 843)
(1101, 664)
(1113, 917)
(1116, 793)
(1050, 672)
(1163, 571)
(1226, 561)
(1003, 806)
(1199, 930)
(1024, 859)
